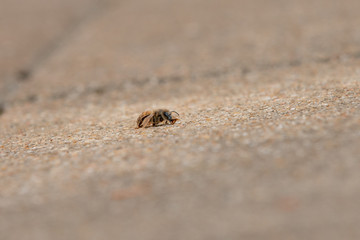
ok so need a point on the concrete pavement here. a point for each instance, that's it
(267, 145)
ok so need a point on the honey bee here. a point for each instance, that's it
(155, 117)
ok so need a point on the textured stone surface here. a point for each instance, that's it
(267, 146)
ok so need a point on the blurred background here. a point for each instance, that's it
(114, 41)
(267, 148)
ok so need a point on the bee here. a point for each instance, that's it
(155, 117)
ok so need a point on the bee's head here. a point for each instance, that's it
(169, 116)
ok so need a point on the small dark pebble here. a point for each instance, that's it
(2, 109)
(32, 98)
(23, 75)
(99, 90)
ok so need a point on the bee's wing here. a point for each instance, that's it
(146, 120)
(141, 118)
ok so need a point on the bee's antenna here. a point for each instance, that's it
(175, 112)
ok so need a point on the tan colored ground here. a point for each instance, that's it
(268, 142)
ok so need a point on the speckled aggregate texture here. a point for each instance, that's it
(268, 142)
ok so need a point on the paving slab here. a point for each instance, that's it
(266, 147)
